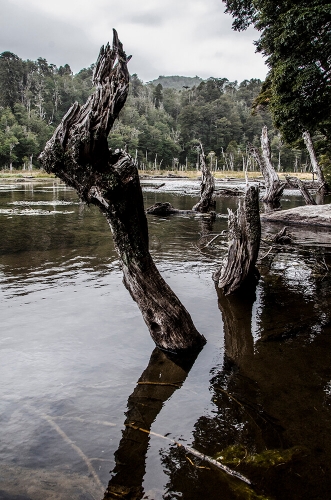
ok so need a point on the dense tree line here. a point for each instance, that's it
(160, 125)
(295, 39)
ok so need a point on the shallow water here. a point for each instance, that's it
(76, 356)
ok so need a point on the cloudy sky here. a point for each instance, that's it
(165, 37)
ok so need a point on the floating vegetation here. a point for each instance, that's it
(237, 454)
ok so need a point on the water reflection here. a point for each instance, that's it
(162, 377)
(272, 416)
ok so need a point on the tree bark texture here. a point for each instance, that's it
(206, 202)
(244, 244)
(78, 153)
(273, 186)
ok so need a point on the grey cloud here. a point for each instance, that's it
(148, 19)
(31, 34)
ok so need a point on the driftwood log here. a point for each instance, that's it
(78, 153)
(273, 186)
(207, 187)
(239, 268)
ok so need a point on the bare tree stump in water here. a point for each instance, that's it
(78, 153)
(244, 243)
(206, 202)
(273, 186)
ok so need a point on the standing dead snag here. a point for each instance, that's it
(244, 244)
(314, 162)
(206, 202)
(273, 186)
(78, 153)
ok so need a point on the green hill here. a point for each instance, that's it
(177, 82)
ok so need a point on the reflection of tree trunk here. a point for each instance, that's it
(78, 153)
(236, 312)
(244, 243)
(206, 202)
(273, 186)
(162, 377)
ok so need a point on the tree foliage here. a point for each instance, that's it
(296, 40)
(160, 125)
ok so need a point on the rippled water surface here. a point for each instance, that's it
(79, 372)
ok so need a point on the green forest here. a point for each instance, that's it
(161, 124)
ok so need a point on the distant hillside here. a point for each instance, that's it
(177, 82)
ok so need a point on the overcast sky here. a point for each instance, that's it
(164, 37)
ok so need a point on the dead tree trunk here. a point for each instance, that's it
(309, 200)
(314, 162)
(78, 153)
(273, 186)
(206, 202)
(244, 244)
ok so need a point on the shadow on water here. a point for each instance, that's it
(162, 377)
(272, 418)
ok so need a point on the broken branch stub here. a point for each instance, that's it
(78, 153)
(244, 244)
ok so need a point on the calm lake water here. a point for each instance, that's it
(79, 370)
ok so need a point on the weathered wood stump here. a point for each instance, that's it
(273, 186)
(323, 187)
(78, 153)
(239, 268)
(207, 187)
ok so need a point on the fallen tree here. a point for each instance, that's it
(78, 153)
(244, 242)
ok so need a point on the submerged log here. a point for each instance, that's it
(78, 153)
(244, 243)
(162, 209)
(207, 187)
(273, 186)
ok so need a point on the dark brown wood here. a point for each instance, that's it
(207, 187)
(162, 209)
(244, 243)
(78, 153)
(273, 186)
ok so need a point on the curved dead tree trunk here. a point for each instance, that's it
(323, 188)
(244, 244)
(206, 202)
(78, 153)
(273, 186)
